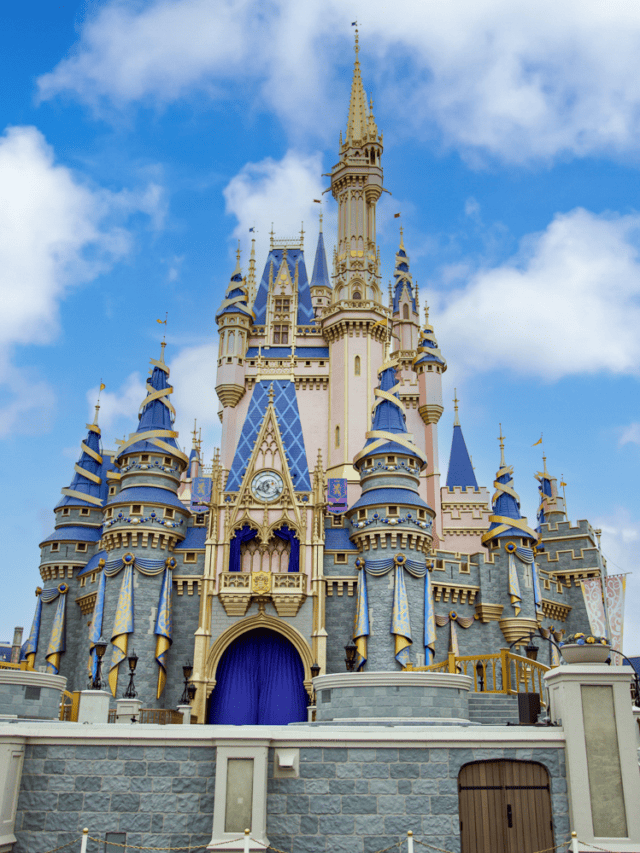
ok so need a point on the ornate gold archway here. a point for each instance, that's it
(262, 620)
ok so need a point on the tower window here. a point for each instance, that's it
(199, 522)
(84, 511)
(393, 510)
(391, 460)
(169, 513)
(283, 306)
(190, 557)
(336, 521)
(421, 513)
(112, 490)
(81, 547)
(405, 312)
(337, 436)
(55, 546)
(340, 558)
(65, 511)
(136, 509)
(281, 334)
(144, 457)
(167, 460)
(357, 295)
(356, 366)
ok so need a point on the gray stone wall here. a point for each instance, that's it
(24, 700)
(363, 800)
(339, 703)
(161, 796)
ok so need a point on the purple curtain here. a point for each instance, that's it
(290, 536)
(259, 682)
(243, 535)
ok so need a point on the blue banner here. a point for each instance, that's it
(200, 494)
(337, 496)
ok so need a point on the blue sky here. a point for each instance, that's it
(140, 140)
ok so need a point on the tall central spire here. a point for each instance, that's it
(360, 122)
(356, 184)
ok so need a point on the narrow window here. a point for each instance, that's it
(337, 436)
(81, 547)
(136, 509)
(405, 312)
(281, 334)
(393, 510)
(65, 511)
(55, 546)
(167, 460)
(169, 513)
(357, 295)
(190, 557)
(356, 368)
(341, 558)
(144, 457)
(84, 511)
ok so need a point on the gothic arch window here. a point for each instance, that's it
(337, 436)
(405, 311)
(232, 343)
(356, 366)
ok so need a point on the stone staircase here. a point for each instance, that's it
(493, 709)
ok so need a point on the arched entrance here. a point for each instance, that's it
(259, 681)
(505, 807)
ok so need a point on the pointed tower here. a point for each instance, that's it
(429, 366)
(320, 283)
(355, 324)
(356, 184)
(552, 507)
(406, 322)
(510, 542)
(234, 321)
(144, 522)
(392, 527)
(465, 506)
(65, 554)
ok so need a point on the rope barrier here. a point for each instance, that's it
(62, 846)
(136, 847)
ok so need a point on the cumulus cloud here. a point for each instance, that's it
(630, 435)
(567, 303)
(193, 373)
(55, 232)
(279, 192)
(119, 408)
(514, 80)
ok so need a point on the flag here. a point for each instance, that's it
(354, 23)
(562, 483)
(539, 441)
(162, 322)
(251, 230)
(396, 216)
(102, 386)
(318, 200)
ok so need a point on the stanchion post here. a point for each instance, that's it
(247, 832)
(409, 841)
(85, 836)
(574, 843)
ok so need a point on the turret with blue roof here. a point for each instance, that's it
(403, 286)
(320, 282)
(428, 351)
(236, 299)
(552, 507)
(506, 522)
(460, 472)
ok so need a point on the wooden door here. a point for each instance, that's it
(505, 807)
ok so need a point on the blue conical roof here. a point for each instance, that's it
(320, 276)
(404, 281)
(156, 416)
(428, 350)
(460, 471)
(87, 488)
(295, 263)
(235, 300)
(505, 520)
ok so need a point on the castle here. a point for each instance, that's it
(322, 518)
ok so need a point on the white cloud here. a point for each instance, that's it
(567, 303)
(517, 80)
(192, 375)
(630, 435)
(55, 232)
(119, 408)
(279, 192)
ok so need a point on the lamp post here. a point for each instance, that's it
(480, 676)
(100, 646)
(130, 692)
(315, 672)
(187, 669)
(191, 692)
(350, 659)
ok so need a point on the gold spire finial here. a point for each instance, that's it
(194, 433)
(501, 439)
(544, 465)
(271, 394)
(426, 312)
(402, 237)
(456, 421)
(302, 235)
(95, 417)
(357, 122)
(163, 323)
(272, 234)
(321, 220)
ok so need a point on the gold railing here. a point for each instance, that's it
(69, 704)
(157, 716)
(501, 672)
(22, 665)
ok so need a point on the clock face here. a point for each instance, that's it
(267, 486)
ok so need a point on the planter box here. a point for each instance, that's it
(589, 653)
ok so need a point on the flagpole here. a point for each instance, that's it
(603, 578)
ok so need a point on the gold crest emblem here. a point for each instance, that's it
(260, 582)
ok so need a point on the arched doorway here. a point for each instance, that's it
(505, 807)
(259, 681)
